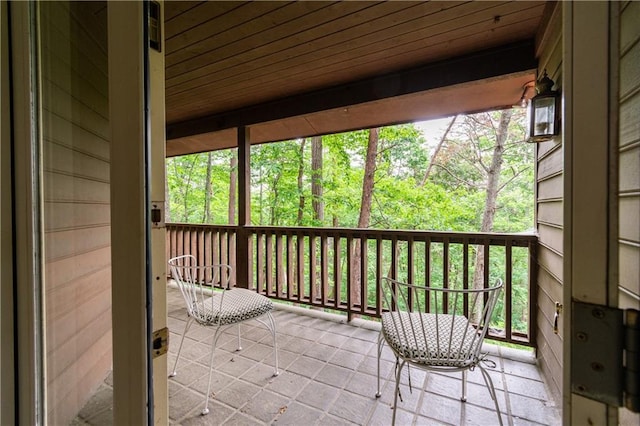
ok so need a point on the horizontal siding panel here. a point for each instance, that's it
(70, 268)
(629, 70)
(62, 298)
(90, 71)
(63, 159)
(629, 261)
(550, 237)
(77, 86)
(72, 35)
(78, 328)
(69, 188)
(545, 147)
(73, 242)
(63, 216)
(629, 123)
(550, 285)
(71, 135)
(630, 168)
(629, 28)
(56, 101)
(550, 164)
(545, 326)
(551, 368)
(550, 260)
(551, 188)
(551, 212)
(85, 376)
(630, 218)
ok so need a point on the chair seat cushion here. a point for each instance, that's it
(238, 305)
(430, 339)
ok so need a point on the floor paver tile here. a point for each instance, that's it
(306, 366)
(288, 384)
(265, 406)
(184, 402)
(320, 352)
(334, 375)
(218, 414)
(297, 414)
(353, 407)
(363, 384)
(526, 387)
(318, 395)
(534, 409)
(346, 359)
(237, 394)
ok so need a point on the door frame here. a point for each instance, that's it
(590, 180)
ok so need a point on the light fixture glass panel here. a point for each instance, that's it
(544, 116)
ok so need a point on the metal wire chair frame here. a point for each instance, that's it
(205, 306)
(414, 315)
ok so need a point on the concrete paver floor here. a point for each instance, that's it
(327, 377)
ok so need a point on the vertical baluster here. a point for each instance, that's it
(260, 260)
(487, 263)
(445, 274)
(324, 259)
(465, 274)
(411, 279)
(337, 271)
(508, 290)
(290, 267)
(393, 269)
(231, 249)
(379, 295)
(279, 266)
(269, 264)
(427, 273)
(533, 292)
(364, 281)
(312, 269)
(349, 275)
(300, 264)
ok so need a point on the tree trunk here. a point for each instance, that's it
(233, 188)
(493, 179)
(300, 186)
(435, 153)
(316, 179)
(206, 217)
(357, 280)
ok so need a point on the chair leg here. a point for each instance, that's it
(184, 333)
(214, 341)
(272, 328)
(463, 398)
(492, 391)
(380, 346)
(397, 391)
(239, 341)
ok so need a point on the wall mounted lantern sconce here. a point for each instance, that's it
(545, 111)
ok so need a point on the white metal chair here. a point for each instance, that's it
(218, 309)
(429, 328)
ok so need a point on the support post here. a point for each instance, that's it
(243, 238)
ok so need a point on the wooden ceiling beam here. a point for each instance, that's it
(480, 65)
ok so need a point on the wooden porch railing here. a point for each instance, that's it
(324, 267)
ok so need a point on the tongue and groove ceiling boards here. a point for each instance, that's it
(296, 69)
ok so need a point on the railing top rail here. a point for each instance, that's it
(494, 238)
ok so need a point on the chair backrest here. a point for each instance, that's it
(196, 284)
(438, 326)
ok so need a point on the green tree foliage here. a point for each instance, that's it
(450, 200)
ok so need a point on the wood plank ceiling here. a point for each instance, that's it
(294, 69)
